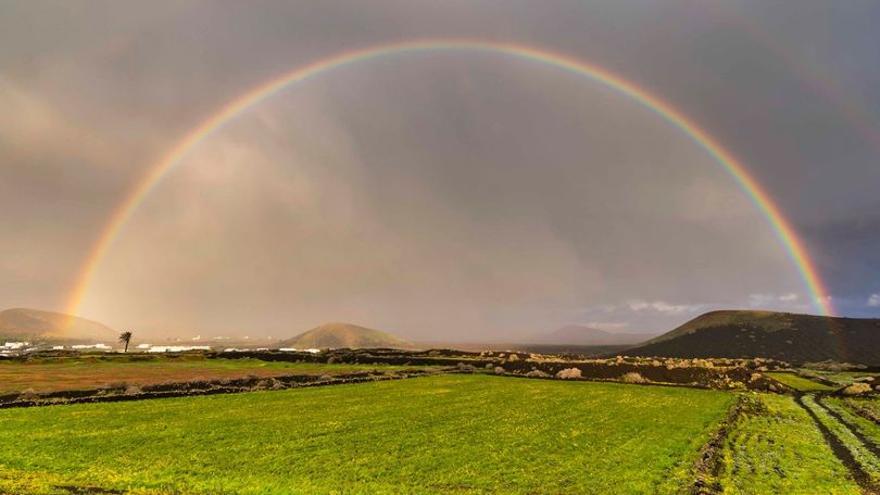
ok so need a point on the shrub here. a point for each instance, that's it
(513, 357)
(499, 370)
(857, 388)
(28, 394)
(537, 374)
(633, 377)
(569, 373)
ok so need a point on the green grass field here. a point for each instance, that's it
(840, 377)
(97, 371)
(870, 404)
(848, 409)
(799, 383)
(439, 434)
(777, 448)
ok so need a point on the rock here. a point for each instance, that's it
(633, 377)
(857, 388)
(499, 370)
(568, 373)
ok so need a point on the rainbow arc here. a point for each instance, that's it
(747, 183)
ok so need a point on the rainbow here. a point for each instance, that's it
(784, 231)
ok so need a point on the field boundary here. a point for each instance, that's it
(707, 467)
(211, 387)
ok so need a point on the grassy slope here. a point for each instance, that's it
(87, 373)
(799, 383)
(442, 434)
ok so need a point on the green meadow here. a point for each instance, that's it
(799, 383)
(439, 434)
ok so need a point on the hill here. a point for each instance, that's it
(792, 337)
(582, 335)
(336, 335)
(39, 325)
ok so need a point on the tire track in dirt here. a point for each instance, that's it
(841, 452)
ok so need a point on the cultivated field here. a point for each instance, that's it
(440, 434)
(775, 447)
(47, 375)
(435, 422)
(799, 383)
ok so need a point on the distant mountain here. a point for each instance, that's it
(791, 337)
(581, 335)
(39, 325)
(336, 335)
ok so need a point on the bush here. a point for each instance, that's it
(499, 370)
(633, 377)
(537, 374)
(28, 394)
(858, 388)
(569, 373)
(513, 357)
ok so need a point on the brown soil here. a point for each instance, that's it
(212, 387)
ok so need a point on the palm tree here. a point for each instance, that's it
(125, 338)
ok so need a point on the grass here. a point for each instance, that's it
(438, 434)
(848, 409)
(799, 383)
(775, 447)
(871, 405)
(868, 461)
(842, 378)
(92, 372)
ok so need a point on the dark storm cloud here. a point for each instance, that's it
(510, 196)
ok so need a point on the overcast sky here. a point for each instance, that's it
(445, 195)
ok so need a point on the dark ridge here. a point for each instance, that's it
(795, 338)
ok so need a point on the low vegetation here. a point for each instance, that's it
(799, 383)
(860, 414)
(440, 434)
(775, 447)
(867, 462)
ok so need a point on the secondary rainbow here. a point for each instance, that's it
(740, 174)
